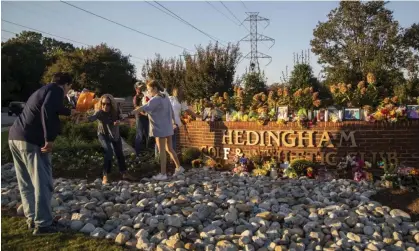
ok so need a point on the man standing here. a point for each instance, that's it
(31, 140)
(141, 120)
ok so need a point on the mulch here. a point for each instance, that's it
(405, 200)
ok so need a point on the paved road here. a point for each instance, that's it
(6, 119)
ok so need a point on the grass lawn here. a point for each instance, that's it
(16, 236)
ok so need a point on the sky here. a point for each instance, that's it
(291, 25)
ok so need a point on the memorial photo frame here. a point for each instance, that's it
(320, 115)
(350, 114)
(282, 113)
(412, 111)
(332, 112)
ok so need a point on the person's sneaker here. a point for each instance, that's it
(160, 177)
(179, 171)
(31, 225)
(45, 230)
(105, 180)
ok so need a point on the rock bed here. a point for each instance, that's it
(206, 210)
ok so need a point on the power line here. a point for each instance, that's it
(126, 27)
(26, 27)
(186, 22)
(9, 32)
(230, 12)
(53, 35)
(215, 8)
(244, 5)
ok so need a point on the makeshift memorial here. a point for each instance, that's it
(413, 111)
(352, 114)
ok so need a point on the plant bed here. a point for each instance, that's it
(402, 199)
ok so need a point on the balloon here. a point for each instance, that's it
(85, 102)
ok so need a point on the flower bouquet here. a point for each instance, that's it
(197, 163)
(390, 177)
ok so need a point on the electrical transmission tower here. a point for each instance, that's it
(254, 37)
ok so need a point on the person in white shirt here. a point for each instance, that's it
(179, 105)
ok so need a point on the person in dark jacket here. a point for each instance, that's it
(141, 120)
(31, 140)
(108, 116)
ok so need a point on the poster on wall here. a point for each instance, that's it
(333, 114)
(283, 113)
(319, 115)
(352, 114)
(412, 111)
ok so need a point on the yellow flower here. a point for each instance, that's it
(370, 78)
(332, 89)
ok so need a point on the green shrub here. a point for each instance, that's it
(190, 154)
(6, 155)
(300, 165)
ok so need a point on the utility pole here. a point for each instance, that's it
(254, 37)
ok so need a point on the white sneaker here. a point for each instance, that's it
(179, 171)
(160, 177)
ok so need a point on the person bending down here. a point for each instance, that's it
(108, 116)
(162, 124)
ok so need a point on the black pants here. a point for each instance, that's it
(142, 126)
(110, 148)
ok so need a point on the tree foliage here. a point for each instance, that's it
(211, 69)
(170, 72)
(254, 82)
(101, 69)
(360, 37)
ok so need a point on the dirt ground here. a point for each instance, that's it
(401, 199)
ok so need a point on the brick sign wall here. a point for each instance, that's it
(325, 142)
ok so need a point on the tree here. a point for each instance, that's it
(210, 70)
(23, 63)
(101, 69)
(254, 82)
(358, 38)
(24, 59)
(171, 72)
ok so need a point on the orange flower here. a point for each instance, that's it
(386, 101)
(395, 99)
(363, 91)
(297, 93)
(370, 78)
(317, 102)
(332, 89)
(361, 85)
(315, 95)
(343, 89)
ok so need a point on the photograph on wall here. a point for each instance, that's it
(283, 113)
(333, 114)
(352, 114)
(319, 115)
(412, 111)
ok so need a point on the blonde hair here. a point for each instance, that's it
(114, 106)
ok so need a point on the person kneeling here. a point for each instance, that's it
(108, 116)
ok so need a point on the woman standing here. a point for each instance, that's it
(179, 105)
(162, 124)
(108, 116)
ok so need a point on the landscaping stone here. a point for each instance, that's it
(219, 211)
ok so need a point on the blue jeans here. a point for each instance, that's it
(142, 132)
(34, 177)
(174, 145)
(110, 148)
